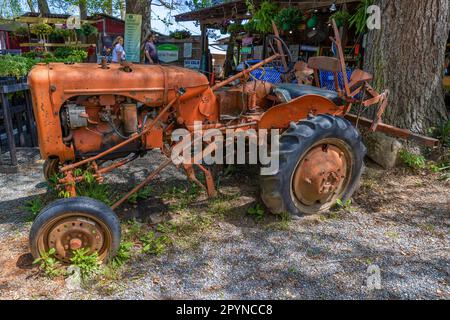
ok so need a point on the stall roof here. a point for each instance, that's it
(104, 15)
(237, 10)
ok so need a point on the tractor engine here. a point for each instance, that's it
(96, 123)
(83, 109)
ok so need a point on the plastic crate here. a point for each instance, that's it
(266, 73)
(327, 79)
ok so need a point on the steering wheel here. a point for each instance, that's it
(285, 51)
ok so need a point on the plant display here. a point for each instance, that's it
(88, 29)
(15, 66)
(359, 19)
(61, 33)
(20, 32)
(70, 53)
(263, 17)
(180, 34)
(19, 66)
(41, 29)
(288, 18)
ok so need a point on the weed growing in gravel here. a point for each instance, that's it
(257, 212)
(123, 254)
(154, 244)
(413, 161)
(180, 197)
(131, 230)
(142, 194)
(34, 207)
(343, 206)
(88, 263)
(166, 228)
(282, 223)
(95, 190)
(48, 264)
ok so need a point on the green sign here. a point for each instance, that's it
(133, 23)
(167, 52)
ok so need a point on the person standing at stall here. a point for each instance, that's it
(118, 54)
(151, 54)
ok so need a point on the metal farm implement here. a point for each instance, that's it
(88, 114)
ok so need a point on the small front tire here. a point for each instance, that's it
(75, 223)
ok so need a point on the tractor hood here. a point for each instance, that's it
(150, 84)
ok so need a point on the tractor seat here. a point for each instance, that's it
(292, 91)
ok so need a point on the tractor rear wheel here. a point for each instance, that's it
(50, 168)
(75, 223)
(321, 161)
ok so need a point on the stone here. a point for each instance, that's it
(383, 149)
(73, 281)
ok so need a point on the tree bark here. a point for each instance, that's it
(142, 7)
(43, 7)
(83, 9)
(30, 5)
(407, 57)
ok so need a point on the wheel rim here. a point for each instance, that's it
(73, 231)
(51, 167)
(322, 175)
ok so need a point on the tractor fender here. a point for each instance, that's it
(280, 116)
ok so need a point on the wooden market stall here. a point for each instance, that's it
(311, 38)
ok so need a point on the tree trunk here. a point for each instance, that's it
(142, 7)
(83, 10)
(407, 57)
(43, 7)
(30, 5)
(122, 9)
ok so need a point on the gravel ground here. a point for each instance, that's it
(399, 222)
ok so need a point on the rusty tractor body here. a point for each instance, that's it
(89, 114)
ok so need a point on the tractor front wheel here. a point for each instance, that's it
(321, 161)
(74, 223)
(50, 168)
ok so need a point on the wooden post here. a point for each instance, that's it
(9, 129)
(31, 126)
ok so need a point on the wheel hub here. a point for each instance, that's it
(320, 175)
(75, 233)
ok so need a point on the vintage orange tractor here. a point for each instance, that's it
(101, 117)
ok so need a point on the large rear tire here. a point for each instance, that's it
(321, 160)
(74, 223)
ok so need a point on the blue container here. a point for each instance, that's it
(327, 79)
(266, 73)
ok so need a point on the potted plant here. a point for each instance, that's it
(20, 32)
(288, 18)
(87, 30)
(263, 17)
(42, 30)
(341, 17)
